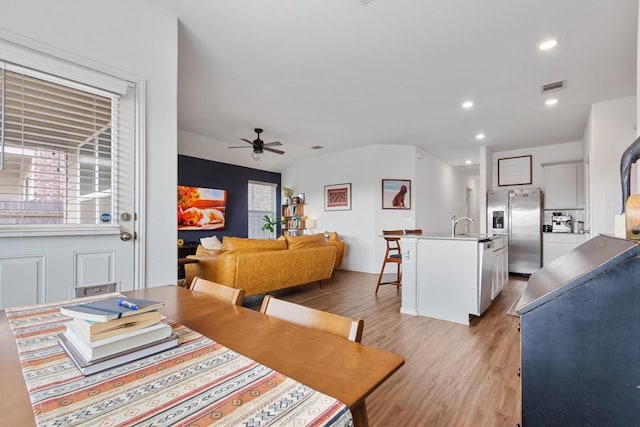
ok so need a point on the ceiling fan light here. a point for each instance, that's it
(257, 155)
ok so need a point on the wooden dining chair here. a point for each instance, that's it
(342, 326)
(391, 256)
(218, 291)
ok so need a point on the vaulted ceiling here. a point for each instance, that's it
(347, 73)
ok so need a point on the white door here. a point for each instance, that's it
(47, 262)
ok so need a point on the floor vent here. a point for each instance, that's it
(551, 87)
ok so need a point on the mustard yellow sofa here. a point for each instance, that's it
(259, 265)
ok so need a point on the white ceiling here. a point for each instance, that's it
(349, 73)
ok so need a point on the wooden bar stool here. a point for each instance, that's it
(392, 255)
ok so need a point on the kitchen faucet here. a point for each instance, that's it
(455, 221)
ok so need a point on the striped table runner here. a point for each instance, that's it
(197, 383)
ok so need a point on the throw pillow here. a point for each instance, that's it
(211, 242)
(308, 241)
(232, 245)
(331, 235)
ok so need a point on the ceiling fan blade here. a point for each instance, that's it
(273, 150)
(273, 144)
(247, 141)
(239, 146)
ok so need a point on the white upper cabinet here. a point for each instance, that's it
(564, 186)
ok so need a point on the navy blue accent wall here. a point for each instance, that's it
(207, 173)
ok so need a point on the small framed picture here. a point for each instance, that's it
(337, 197)
(515, 171)
(396, 194)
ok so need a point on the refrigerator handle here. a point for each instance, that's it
(510, 218)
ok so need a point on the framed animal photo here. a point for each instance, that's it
(396, 194)
(201, 208)
(337, 197)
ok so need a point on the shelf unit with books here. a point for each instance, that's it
(293, 219)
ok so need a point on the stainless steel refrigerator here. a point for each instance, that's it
(518, 213)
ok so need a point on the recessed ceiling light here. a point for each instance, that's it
(468, 162)
(551, 101)
(467, 104)
(480, 136)
(548, 44)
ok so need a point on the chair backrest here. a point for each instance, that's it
(221, 292)
(345, 327)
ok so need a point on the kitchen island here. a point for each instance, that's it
(450, 278)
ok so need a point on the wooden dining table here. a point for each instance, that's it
(342, 369)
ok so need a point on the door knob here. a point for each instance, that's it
(125, 236)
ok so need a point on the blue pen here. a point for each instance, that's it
(127, 304)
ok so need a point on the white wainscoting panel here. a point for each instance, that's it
(22, 281)
(94, 268)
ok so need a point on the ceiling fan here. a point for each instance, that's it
(259, 146)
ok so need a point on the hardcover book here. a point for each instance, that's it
(110, 308)
(95, 331)
(97, 365)
(112, 345)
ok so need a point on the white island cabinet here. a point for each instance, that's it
(500, 265)
(443, 276)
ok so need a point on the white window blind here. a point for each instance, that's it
(262, 201)
(57, 150)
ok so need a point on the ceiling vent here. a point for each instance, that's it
(552, 87)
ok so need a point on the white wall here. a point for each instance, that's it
(442, 193)
(471, 183)
(587, 140)
(437, 193)
(556, 153)
(142, 40)
(611, 130)
(485, 183)
(364, 168)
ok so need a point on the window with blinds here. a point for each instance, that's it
(57, 150)
(262, 201)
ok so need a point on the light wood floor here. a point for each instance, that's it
(454, 375)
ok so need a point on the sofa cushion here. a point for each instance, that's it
(202, 251)
(333, 239)
(258, 273)
(308, 241)
(234, 245)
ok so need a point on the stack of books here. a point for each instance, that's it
(112, 331)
